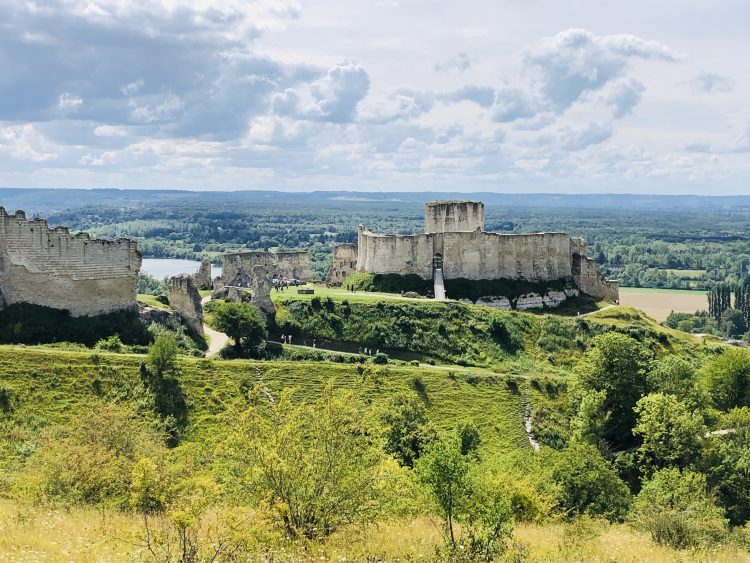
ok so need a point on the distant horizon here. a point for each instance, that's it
(373, 191)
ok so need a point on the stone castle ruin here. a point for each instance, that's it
(455, 246)
(238, 266)
(50, 267)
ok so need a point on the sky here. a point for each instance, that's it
(579, 96)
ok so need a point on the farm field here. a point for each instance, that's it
(658, 303)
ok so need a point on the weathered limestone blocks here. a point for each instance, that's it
(202, 278)
(262, 290)
(454, 238)
(291, 265)
(529, 301)
(50, 267)
(186, 302)
(344, 263)
(453, 217)
(591, 281)
(498, 302)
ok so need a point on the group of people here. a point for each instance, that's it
(369, 351)
(351, 288)
(286, 338)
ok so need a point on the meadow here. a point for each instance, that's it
(658, 303)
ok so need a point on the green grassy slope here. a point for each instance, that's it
(50, 387)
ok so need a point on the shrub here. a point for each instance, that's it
(407, 433)
(6, 400)
(111, 344)
(93, 463)
(314, 463)
(588, 485)
(380, 358)
(676, 510)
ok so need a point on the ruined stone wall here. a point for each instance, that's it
(53, 268)
(292, 265)
(240, 264)
(487, 256)
(186, 301)
(591, 281)
(394, 254)
(344, 263)
(453, 217)
(202, 278)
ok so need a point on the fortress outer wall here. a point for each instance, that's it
(53, 268)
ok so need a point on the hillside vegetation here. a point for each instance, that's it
(643, 434)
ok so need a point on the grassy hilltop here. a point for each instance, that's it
(83, 430)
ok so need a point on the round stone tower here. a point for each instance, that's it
(453, 217)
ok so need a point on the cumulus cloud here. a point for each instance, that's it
(460, 63)
(575, 62)
(576, 140)
(333, 97)
(510, 104)
(625, 96)
(139, 61)
(712, 83)
(480, 95)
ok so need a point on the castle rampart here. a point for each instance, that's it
(456, 243)
(50, 267)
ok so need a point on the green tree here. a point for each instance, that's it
(673, 375)
(674, 507)
(468, 435)
(589, 422)
(616, 365)
(487, 515)
(672, 434)
(162, 355)
(314, 464)
(444, 470)
(726, 379)
(243, 323)
(586, 484)
(727, 464)
(407, 433)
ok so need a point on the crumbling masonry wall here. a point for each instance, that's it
(453, 217)
(344, 263)
(292, 265)
(51, 267)
(186, 302)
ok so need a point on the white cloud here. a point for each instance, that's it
(595, 133)
(712, 83)
(460, 63)
(625, 96)
(576, 61)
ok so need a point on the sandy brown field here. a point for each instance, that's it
(658, 303)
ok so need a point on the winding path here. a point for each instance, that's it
(216, 340)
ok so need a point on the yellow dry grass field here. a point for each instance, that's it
(658, 303)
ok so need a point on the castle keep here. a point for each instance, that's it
(53, 268)
(456, 246)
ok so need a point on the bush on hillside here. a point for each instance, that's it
(586, 484)
(675, 509)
